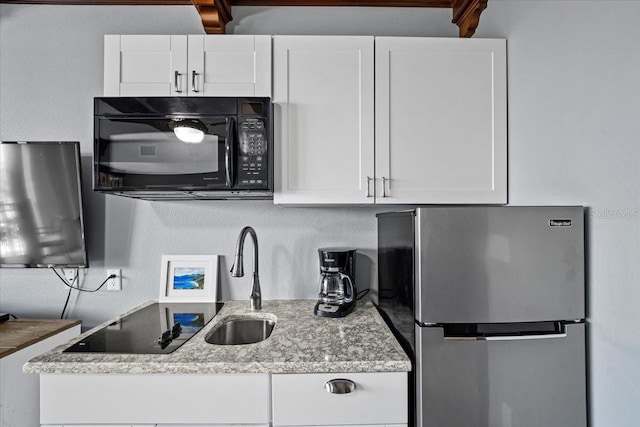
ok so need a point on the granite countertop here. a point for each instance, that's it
(300, 343)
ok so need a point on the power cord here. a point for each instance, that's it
(75, 279)
(71, 287)
(111, 276)
(6, 316)
(361, 293)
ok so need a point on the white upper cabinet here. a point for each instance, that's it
(145, 65)
(194, 65)
(440, 120)
(441, 129)
(230, 65)
(429, 128)
(324, 129)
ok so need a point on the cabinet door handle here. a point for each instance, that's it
(384, 186)
(340, 386)
(193, 81)
(176, 76)
(369, 186)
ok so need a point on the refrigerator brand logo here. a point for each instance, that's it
(560, 223)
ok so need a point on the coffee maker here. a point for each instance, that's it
(337, 296)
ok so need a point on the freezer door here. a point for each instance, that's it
(499, 264)
(503, 383)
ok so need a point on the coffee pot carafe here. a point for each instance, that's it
(337, 294)
(335, 287)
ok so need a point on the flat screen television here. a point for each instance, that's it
(41, 221)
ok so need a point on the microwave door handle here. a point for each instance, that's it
(228, 152)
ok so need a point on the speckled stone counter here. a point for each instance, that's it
(300, 343)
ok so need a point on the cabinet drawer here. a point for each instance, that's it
(154, 399)
(304, 399)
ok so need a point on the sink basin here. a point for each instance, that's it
(241, 331)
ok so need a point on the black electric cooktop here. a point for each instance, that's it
(159, 328)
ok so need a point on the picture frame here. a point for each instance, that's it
(189, 278)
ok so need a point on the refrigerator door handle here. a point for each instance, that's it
(507, 338)
(525, 337)
(504, 331)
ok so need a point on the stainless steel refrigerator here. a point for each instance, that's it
(489, 302)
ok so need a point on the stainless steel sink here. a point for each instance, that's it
(241, 331)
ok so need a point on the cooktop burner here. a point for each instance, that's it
(159, 328)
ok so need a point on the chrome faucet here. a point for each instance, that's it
(238, 271)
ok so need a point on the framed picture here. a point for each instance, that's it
(189, 278)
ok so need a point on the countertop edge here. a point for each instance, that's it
(240, 368)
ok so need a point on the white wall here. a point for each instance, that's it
(574, 109)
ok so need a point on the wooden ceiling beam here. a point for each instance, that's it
(215, 14)
(105, 2)
(374, 3)
(466, 15)
(355, 3)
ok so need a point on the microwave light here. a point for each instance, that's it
(188, 134)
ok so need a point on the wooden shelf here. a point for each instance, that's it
(20, 333)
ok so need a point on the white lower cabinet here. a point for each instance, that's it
(373, 399)
(160, 399)
(215, 400)
(19, 391)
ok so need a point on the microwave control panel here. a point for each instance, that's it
(253, 158)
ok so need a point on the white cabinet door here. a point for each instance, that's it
(379, 398)
(323, 110)
(229, 65)
(180, 65)
(166, 399)
(19, 391)
(441, 120)
(145, 65)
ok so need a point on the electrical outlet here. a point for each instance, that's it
(114, 284)
(70, 275)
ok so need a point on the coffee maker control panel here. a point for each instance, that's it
(328, 308)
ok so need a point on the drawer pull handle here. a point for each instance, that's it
(340, 386)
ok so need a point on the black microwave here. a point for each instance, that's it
(173, 148)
